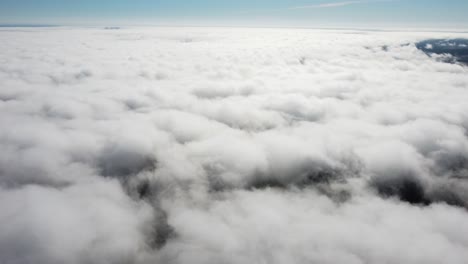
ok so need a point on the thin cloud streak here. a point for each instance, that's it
(328, 5)
(323, 5)
(335, 4)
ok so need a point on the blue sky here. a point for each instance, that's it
(429, 13)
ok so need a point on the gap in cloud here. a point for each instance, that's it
(455, 50)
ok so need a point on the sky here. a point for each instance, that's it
(426, 13)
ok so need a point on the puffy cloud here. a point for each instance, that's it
(209, 145)
(78, 224)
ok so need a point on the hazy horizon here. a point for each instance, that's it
(295, 13)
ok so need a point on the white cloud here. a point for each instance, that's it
(209, 145)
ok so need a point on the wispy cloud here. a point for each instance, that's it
(322, 5)
(335, 4)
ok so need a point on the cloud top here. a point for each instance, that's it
(209, 145)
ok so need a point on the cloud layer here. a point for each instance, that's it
(205, 145)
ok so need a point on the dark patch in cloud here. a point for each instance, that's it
(326, 182)
(8, 97)
(163, 231)
(144, 189)
(310, 176)
(453, 164)
(303, 60)
(151, 192)
(406, 188)
(267, 182)
(124, 161)
(412, 190)
(15, 181)
(450, 193)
